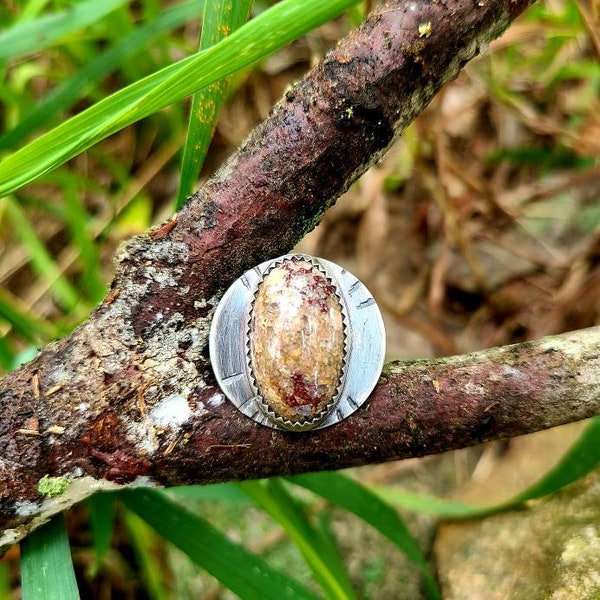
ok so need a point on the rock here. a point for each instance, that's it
(548, 551)
(297, 341)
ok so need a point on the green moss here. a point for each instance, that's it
(51, 487)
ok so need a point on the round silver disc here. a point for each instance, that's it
(231, 345)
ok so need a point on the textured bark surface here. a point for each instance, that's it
(129, 397)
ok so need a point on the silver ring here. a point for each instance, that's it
(297, 343)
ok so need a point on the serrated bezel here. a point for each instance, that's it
(364, 346)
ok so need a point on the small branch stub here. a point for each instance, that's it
(297, 343)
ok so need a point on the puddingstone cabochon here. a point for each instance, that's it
(297, 341)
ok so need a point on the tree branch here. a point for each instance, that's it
(129, 397)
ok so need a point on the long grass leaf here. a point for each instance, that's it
(28, 325)
(65, 95)
(46, 566)
(220, 19)
(431, 505)
(580, 459)
(359, 500)
(216, 492)
(102, 523)
(321, 556)
(41, 260)
(7, 358)
(244, 573)
(146, 544)
(5, 587)
(269, 31)
(37, 34)
(78, 223)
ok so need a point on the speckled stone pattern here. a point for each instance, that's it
(297, 341)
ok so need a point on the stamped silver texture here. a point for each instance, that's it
(297, 343)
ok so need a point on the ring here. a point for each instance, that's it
(297, 343)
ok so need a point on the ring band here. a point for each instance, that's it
(297, 343)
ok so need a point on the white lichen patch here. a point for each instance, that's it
(58, 376)
(505, 372)
(164, 278)
(509, 371)
(143, 481)
(161, 251)
(168, 355)
(215, 400)
(26, 508)
(572, 343)
(76, 491)
(579, 545)
(171, 361)
(475, 389)
(10, 537)
(143, 435)
(581, 348)
(172, 411)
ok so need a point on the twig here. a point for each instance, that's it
(129, 397)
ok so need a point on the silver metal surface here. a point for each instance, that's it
(364, 349)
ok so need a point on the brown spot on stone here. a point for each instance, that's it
(297, 340)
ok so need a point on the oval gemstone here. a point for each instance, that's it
(297, 341)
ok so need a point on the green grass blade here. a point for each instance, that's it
(66, 95)
(244, 573)
(581, 458)
(16, 359)
(46, 565)
(321, 556)
(78, 224)
(269, 31)
(5, 587)
(102, 524)
(7, 359)
(28, 325)
(216, 492)
(35, 35)
(220, 18)
(431, 505)
(28, 10)
(41, 260)
(357, 499)
(146, 544)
